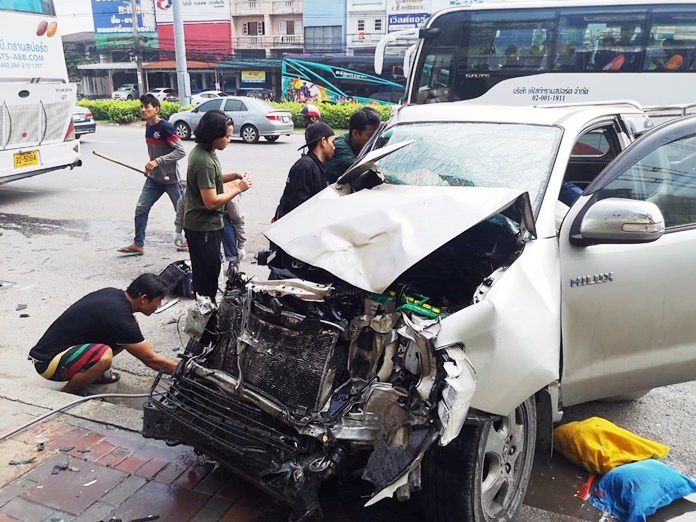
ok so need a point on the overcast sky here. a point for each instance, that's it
(74, 15)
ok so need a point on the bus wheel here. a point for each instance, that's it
(271, 138)
(249, 134)
(182, 130)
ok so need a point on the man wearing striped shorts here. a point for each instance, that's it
(79, 346)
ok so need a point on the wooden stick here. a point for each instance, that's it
(104, 156)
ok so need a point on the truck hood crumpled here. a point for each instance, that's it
(370, 237)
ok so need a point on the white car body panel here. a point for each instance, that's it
(595, 364)
(515, 327)
(370, 237)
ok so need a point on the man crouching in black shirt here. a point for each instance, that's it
(80, 345)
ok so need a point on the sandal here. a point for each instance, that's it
(131, 249)
(108, 377)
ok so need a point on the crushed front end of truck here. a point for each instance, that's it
(306, 381)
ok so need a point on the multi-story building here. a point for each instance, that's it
(266, 28)
(366, 23)
(324, 26)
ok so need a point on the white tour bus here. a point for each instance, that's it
(533, 53)
(36, 100)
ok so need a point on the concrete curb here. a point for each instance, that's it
(98, 411)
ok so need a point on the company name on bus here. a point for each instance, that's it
(23, 46)
(550, 90)
(345, 74)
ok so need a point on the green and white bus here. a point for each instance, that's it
(545, 52)
(334, 79)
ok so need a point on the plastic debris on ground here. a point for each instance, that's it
(634, 491)
(600, 446)
(586, 488)
(14, 462)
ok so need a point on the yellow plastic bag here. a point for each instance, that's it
(600, 446)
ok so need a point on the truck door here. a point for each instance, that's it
(628, 309)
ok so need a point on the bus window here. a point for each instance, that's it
(597, 39)
(435, 80)
(44, 7)
(502, 39)
(671, 46)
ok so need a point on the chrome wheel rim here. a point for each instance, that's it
(182, 131)
(249, 134)
(503, 462)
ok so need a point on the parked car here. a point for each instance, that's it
(440, 307)
(165, 93)
(255, 92)
(127, 91)
(207, 95)
(83, 121)
(252, 118)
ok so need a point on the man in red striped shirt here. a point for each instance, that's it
(164, 149)
(79, 346)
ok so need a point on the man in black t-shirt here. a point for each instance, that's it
(307, 178)
(79, 346)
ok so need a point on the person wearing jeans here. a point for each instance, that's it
(152, 191)
(233, 236)
(164, 149)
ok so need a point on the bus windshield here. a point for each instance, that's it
(552, 54)
(336, 79)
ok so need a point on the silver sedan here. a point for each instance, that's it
(252, 118)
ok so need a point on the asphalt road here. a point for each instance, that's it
(59, 234)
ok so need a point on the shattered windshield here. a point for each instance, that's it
(472, 154)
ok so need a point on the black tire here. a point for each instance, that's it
(483, 475)
(249, 134)
(129, 97)
(271, 139)
(183, 130)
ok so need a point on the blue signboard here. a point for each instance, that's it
(398, 22)
(113, 23)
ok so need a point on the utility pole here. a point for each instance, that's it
(182, 78)
(136, 46)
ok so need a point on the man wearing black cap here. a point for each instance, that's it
(308, 176)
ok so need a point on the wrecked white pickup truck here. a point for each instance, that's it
(444, 306)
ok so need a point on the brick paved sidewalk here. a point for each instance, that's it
(116, 474)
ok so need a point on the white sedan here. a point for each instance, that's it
(206, 95)
(162, 93)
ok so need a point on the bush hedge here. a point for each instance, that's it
(125, 111)
(128, 111)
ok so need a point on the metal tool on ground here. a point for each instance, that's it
(108, 158)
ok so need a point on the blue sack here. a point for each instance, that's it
(634, 491)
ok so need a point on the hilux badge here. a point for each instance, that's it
(595, 279)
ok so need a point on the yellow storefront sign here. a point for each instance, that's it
(253, 76)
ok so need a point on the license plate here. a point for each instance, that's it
(286, 119)
(26, 159)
